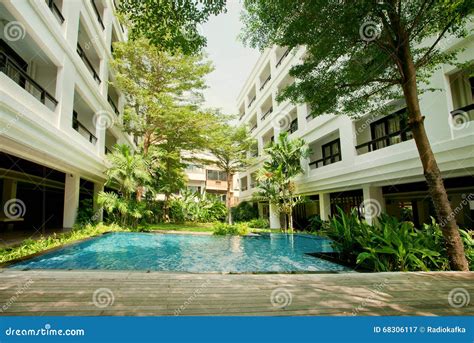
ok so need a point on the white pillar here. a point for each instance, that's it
(325, 205)
(274, 217)
(374, 203)
(71, 199)
(9, 190)
(98, 211)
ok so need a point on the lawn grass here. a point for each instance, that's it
(192, 227)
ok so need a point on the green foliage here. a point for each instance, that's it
(259, 223)
(123, 211)
(355, 56)
(275, 179)
(32, 246)
(315, 223)
(390, 245)
(244, 211)
(197, 207)
(221, 229)
(128, 170)
(85, 212)
(170, 25)
(231, 146)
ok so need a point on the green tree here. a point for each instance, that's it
(127, 172)
(231, 146)
(360, 54)
(159, 87)
(171, 25)
(276, 178)
(163, 93)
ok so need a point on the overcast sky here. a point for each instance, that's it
(232, 61)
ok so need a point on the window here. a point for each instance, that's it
(331, 152)
(216, 175)
(243, 184)
(390, 130)
(462, 89)
(293, 126)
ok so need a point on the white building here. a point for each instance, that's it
(58, 109)
(373, 160)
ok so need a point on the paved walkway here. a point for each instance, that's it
(156, 293)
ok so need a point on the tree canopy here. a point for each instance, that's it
(172, 25)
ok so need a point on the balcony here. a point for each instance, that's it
(110, 142)
(325, 151)
(462, 90)
(97, 13)
(264, 83)
(281, 57)
(383, 132)
(55, 10)
(88, 63)
(267, 113)
(10, 68)
(112, 104)
(251, 101)
(82, 129)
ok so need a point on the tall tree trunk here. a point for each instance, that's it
(444, 213)
(227, 198)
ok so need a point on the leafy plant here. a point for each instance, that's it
(221, 229)
(244, 211)
(85, 212)
(259, 223)
(32, 246)
(275, 179)
(389, 244)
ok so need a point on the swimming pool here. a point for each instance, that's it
(189, 253)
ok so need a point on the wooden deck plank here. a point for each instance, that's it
(160, 293)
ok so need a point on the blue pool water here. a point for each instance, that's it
(189, 253)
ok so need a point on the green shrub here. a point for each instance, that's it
(390, 244)
(259, 223)
(244, 212)
(176, 211)
(32, 246)
(315, 223)
(221, 229)
(85, 212)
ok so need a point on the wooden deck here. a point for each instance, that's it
(139, 294)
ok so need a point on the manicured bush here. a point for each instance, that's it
(221, 229)
(390, 244)
(244, 212)
(259, 223)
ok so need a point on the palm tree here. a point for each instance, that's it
(128, 170)
(275, 179)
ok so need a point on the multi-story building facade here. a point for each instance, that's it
(370, 163)
(209, 178)
(59, 109)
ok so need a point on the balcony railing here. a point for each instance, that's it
(265, 82)
(107, 150)
(266, 114)
(385, 141)
(99, 18)
(88, 63)
(283, 57)
(112, 104)
(83, 131)
(17, 74)
(463, 111)
(241, 116)
(324, 161)
(253, 128)
(56, 11)
(252, 101)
